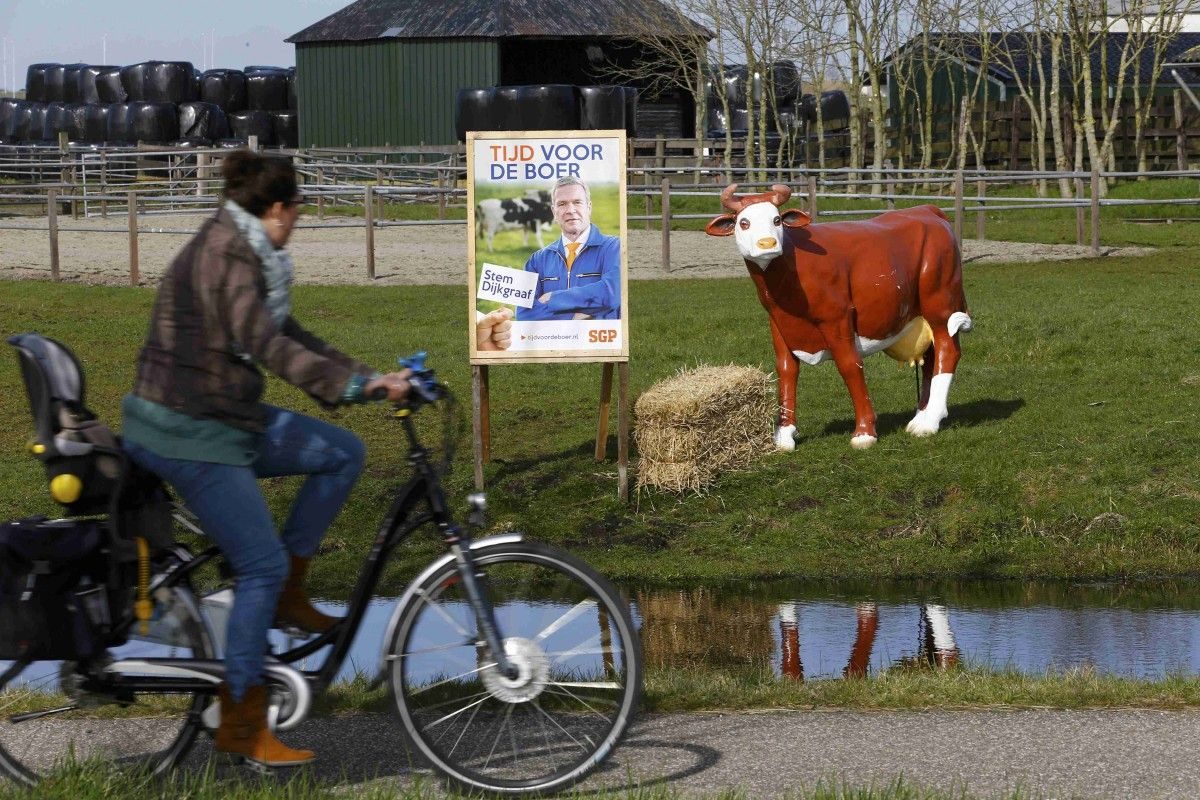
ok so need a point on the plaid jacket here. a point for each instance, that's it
(210, 330)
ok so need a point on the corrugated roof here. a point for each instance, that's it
(490, 19)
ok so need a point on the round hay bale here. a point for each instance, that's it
(702, 422)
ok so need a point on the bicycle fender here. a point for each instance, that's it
(394, 622)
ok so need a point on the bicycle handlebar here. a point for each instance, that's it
(422, 380)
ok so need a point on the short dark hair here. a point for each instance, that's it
(256, 182)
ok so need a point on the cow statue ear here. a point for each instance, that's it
(721, 226)
(794, 218)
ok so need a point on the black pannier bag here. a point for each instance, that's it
(54, 602)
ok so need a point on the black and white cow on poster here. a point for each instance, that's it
(532, 212)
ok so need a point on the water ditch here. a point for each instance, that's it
(814, 630)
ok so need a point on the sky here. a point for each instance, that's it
(209, 33)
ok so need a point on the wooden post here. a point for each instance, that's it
(1095, 211)
(649, 202)
(981, 214)
(104, 184)
(660, 152)
(1180, 136)
(958, 205)
(133, 240)
(52, 212)
(321, 194)
(606, 380)
(666, 225)
(369, 213)
(441, 180)
(479, 400)
(623, 415)
(812, 197)
(890, 190)
(202, 172)
(485, 412)
(252, 143)
(1080, 234)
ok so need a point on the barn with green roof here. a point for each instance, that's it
(387, 71)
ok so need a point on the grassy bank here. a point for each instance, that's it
(93, 782)
(1070, 449)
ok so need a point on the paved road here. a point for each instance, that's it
(1085, 754)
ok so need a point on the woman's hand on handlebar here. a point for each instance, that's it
(394, 386)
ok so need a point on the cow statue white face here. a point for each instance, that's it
(756, 223)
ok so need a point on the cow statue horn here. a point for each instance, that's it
(780, 194)
(733, 204)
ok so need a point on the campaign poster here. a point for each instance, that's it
(546, 230)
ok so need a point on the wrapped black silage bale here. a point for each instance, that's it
(267, 90)
(202, 122)
(133, 80)
(225, 88)
(71, 84)
(35, 122)
(88, 91)
(155, 123)
(253, 123)
(120, 124)
(169, 82)
(293, 101)
(473, 111)
(88, 124)
(263, 68)
(57, 120)
(631, 102)
(551, 107)
(55, 76)
(35, 82)
(8, 109)
(715, 123)
(506, 108)
(601, 108)
(231, 143)
(734, 77)
(109, 87)
(286, 126)
(785, 83)
(835, 105)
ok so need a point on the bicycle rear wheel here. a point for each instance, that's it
(52, 716)
(568, 632)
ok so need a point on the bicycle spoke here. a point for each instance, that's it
(441, 648)
(538, 706)
(450, 680)
(578, 699)
(505, 719)
(465, 729)
(581, 649)
(566, 618)
(443, 613)
(453, 714)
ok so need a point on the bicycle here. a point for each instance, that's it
(513, 666)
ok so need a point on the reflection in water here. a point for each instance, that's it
(936, 641)
(806, 631)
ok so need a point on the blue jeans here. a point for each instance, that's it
(233, 513)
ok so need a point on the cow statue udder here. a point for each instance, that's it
(844, 290)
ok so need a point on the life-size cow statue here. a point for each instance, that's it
(843, 290)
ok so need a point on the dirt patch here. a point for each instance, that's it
(405, 254)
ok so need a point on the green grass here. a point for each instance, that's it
(1069, 452)
(92, 782)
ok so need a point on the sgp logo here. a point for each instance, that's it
(609, 335)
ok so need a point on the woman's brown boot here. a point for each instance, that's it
(294, 608)
(244, 733)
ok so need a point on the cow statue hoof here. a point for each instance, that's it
(863, 441)
(785, 437)
(925, 424)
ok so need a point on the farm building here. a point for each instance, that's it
(388, 71)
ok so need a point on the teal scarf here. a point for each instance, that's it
(277, 262)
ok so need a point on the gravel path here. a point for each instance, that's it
(407, 254)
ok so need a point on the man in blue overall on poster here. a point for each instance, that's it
(579, 275)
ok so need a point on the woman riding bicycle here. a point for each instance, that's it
(196, 418)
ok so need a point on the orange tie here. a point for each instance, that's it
(572, 251)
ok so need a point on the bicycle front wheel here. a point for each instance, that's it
(53, 714)
(571, 638)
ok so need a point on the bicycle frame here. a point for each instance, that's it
(400, 522)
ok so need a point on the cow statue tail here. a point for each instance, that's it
(959, 321)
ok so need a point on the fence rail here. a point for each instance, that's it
(139, 184)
